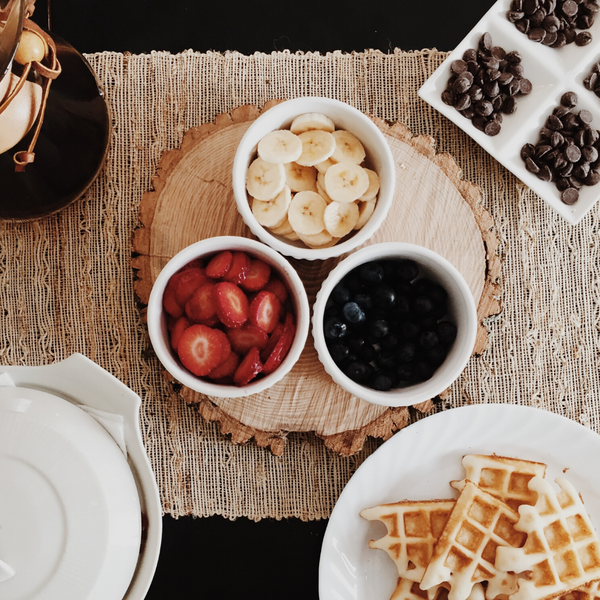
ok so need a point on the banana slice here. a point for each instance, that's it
(299, 178)
(319, 240)
(274, 212)
(346, 182)
(321, 191)
(264, 181)
(283, 228)
(280, 146)
(348, 148)
(323, 166)
(365, 210)
(317, 146)
(373, 188)
(292, 236)
(340, 218)
(306, 213)
(310, 121)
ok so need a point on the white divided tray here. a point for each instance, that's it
(552, 72)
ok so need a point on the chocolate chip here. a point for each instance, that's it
(527, 151)
(484, 108)
(463, 82)
(492, 128)
(585, 116)
(531, 166)
(462, 102)
(485, 43)
(509, 106)
(569, 99)
(569, 196)
(569, 8)
(572, 153)
(537, 34)
(593, 178)
(554, 123)
(589, 153)
(583, 38)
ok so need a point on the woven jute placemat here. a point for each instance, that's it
(66, 283)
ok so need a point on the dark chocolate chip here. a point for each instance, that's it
(589, 153)
(458, 66)
(492, 128)
(572, 153)
(583, 38)
(569, 99)
(569, 196)
(593, 178)
(585, 116)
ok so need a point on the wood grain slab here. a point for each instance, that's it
(192, 199)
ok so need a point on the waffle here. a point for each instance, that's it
(410, 590)
(562, 551)
(505, 478)
(412, 530)
(465, 554)
(591, 591)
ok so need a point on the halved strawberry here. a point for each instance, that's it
(257, 276)
(279, 288)
(200, 349)
(227, 368)
(282, 346)
(265, 311)
(249, 368)
(226, 345)
(240, 265)
(232, 304)
(203, 304)
(243, 338)
(219, 265)
(187, 282)
(170, 304)
(180, 326)
(266, 351)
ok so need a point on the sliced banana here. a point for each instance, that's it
(280, 146)
(282, 228)
(299, 178)
(340, 218)
(264, 180)
(292, 236)
(365, 210)
(321, 191)
(346, 182)
(373, 188)
(319, 240)
(310, 121)
(348, 148)
(306, 213)
(323, 166)
(273, 212)
(317, 146)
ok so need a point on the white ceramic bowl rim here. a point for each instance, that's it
(157, 320)
(461, 301)
(345, 116)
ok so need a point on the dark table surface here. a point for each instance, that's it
(213, 557)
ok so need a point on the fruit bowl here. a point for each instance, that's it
(228, 316)
(394, 324)
(350, 126)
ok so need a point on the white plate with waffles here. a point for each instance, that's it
(419, 462)
(552, 71)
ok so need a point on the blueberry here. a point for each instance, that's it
(384, 297)
(407, 270)
(382, 381)
(353, 282)
(410, 330)
(358, 371)
(422, 306)
(371, 272)
(428, 339)
(365, 301)
(436, 355)
(437, 294)
(406, 352)
(367, 353)
(379, 328)
(423, 371)
(402, 306)
(428, 322)
(334, 329)
(356, 343)
(405, 371)
(339, 352)
(385, 360)
(340, 293)
(353, 313)
(390, 341)
(446, 332)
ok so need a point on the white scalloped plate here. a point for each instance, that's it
(418, 462)
(552, 71)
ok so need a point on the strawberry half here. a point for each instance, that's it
(170, 304)
(249, 368)
(200, 349)
(219, 265)
(225, 344)
(266, 351)
(257, 276)
(282, 346)
(232, 304)
(243, 338)
(180, 326)
(227, 368)
(187, 282)
(279, 288)
(265, 311)
(203, 303)
(240, 265)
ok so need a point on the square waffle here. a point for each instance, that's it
(505, 478)
(562, 551)
(465, 554)
(410, 590)
(412, 530)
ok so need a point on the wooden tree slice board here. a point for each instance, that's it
(433, 206)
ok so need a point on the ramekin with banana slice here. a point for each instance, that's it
(313, 178)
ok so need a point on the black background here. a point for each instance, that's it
(214, 557)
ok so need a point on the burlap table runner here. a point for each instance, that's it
(67, 285)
